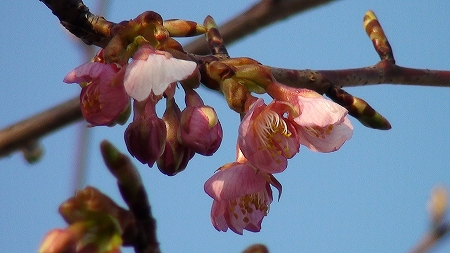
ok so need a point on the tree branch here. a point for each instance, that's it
(33, 128)
(76, 17)
(384, 72)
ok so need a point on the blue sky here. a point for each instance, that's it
(370, 196)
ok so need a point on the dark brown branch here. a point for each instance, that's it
(95, 30)
(76, 17)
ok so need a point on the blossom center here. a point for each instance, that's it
(91, 101)
(267, 126)
(245, 206)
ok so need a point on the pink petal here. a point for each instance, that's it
(89, 71)
(233, 182)
(155, 74)
(217, 215)
(320, 112)
(327, 142)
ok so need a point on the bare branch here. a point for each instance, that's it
(384, 72)
(430, 238)
(76, 17)
(28, 130)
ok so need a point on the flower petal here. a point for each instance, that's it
(319, 111)
(234, 181)
(89, 71)
(155, 73)
(332, 139)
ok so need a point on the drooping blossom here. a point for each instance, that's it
(200, 129)
(145, 137)
(322, 124)
(103, 99)
(267, 136)
(242, 196)
(154, 70)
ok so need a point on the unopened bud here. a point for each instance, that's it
(200, 130)
(437, 204)
(58, 241)
(145, 136)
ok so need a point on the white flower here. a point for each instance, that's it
(153, 70)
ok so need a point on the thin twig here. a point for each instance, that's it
(133, 193)
(430, 238)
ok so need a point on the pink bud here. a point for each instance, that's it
(145, 137)
(200, 129)
(175, 156)
(58, 240)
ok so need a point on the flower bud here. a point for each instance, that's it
(437, 204)
(175, 156)
(58, 240)
(145, 137)
(200, 129)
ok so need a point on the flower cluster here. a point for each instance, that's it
(112, 79)
(144, 64)
(268, 136)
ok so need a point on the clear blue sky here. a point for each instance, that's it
(370, 196)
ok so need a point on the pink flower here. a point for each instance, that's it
(200, 129)
(322, 125)
(103, 99)
(267, 137)
(153, 70)
(242, 197)
(145, 137)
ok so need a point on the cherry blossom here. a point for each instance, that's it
(154, 70)
(242, 196)
(322, 125)
(267, 136)
(200, 129)
(103, 99)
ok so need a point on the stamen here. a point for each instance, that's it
(247, 205)
(267, 124)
